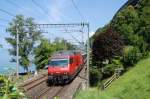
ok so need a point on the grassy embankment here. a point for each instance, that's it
(134, 84)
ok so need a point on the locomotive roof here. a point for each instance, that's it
(60, 57)
(65, 54)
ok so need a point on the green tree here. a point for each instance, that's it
(143, 9)
(28, 35)
(127, 23)
(45, 49)
(133, 23)
(62, 44)
(42, 53)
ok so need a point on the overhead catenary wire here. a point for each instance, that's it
(39, 6)
(12, 3)
(21, 7)
(4, 11)
(75, 38)
(64, 26)
(76, 7)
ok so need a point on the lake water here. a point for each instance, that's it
(6, 66)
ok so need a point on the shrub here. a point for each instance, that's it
(131, 56)
(8, 90)
(95, 76)
(109, 69)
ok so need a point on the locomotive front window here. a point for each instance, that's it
(58, 63)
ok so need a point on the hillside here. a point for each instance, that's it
(134, 84)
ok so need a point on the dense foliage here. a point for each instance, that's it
(126, 23)
(107, 45)
(42, 53)
(95, 75)
(143, 9)
(131, 56)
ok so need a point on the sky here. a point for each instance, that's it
(97, 12)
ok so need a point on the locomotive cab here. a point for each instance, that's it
(57, 70)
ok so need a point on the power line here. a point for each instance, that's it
(7, 12)
(79, 12)
(16, 5)
(75, 39)
(12, 3)
(39, 6)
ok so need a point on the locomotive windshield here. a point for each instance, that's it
(62, 62)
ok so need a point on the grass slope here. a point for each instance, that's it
(134, 84)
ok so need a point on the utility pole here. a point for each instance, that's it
(17, 51)
(88, 56)
(82, 38)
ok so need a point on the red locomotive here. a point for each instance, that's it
(64, 66)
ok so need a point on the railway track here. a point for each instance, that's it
(29, 85)
(63, 92)
(37, 88)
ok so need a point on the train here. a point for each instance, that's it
(64, 66)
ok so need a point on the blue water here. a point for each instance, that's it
(7, 67)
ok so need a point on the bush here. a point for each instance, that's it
(95, 76)
(131, 56)
(109, 69)
(8, 90)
